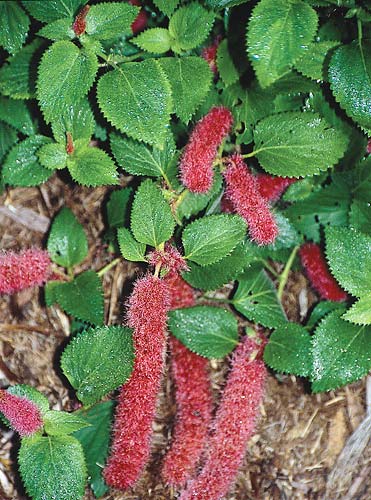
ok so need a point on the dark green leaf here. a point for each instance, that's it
(92, 167)
(14, 26)
(59, 423)
(320, 311)
(225, 65)
(311, 63)
(117, 207)
(189, 26)
(222, 4)
(193, 203)
(110, 19)
(166, 6)
(129, 247)
(8, 136)
(53, 9)
(16, 114)
(61, 29)
(77, 119)
(360, 216)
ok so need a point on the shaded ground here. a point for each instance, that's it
(299, 436)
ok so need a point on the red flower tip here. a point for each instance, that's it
(243, 193)
(170, 259)
(141, 20)
(271, 187)
(182, 294)
(22, 414)
(317, 270)
(209, 54)
(23, 270)
(70, 148)
(79, 25)
(196, 165)
(368, 147)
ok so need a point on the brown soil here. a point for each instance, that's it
(299, 436)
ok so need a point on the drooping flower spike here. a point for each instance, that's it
(23, 415)
(271, 187)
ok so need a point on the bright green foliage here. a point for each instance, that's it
(225, 65)
(166, 6)
(289, 350)
(17, 115)
(277, 34)
(66, 73)
(349, 76)
(67, 242)
(349, 256)
(117, 207)
(52, 465)
(21, 167)
(14, 26)
(52, 156)
(61, 29)
(82, 297)
(15, 78)
(110, 19)
(341, 353)
(300, 190)
(221, 4)
(152, 222)
(190, 80)
(360, 312)
(208, 331)
(140, 159)
(257, 300)
(98, 361)
(52, 10)
(211, 238)
(297, 144)
(154, 40)
(141, 90)
(92, 167)
(95, 440)
(58, 423)
(77, 119)
(130, 248)
(311, 64)
(28, 392)
(189, 26)
(321, 310)
(193, 203)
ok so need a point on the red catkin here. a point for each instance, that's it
(271, 187)
(193, 399)
(79, 25)
(169, 259)
(141, 20)
(317, 270)
(196, 165)
(23, 270)
(242, 191)
(233, 426)
(209, 54)
(22, 414)
(147, 315)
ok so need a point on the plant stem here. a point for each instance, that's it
(226, 301)
(108, 266)
(285, 273)
(270, 268)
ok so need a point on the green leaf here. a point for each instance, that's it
(67, 242)
(222, 4)
(117, 207)
(350, 78)
(110, 20)
(257, 300)
(95, 441)
(320, 311)
(98, 360)
(77, 119)
(297, 144)
(277, 34)
(139, 159)
(8, 136)
(289, 350)
(130, 248)
(341, 353)
(349, 256)
(225, 65)
(50, 292)
(189, 26)
(287, 237)
(208, 331)
(59, 423)
(92, 167)
(83, 297)
(52, 156)
(52, 10)
(360, 312)
(360, 216)
(154, 40)
(181, 73)
(21, 167)
(216, 275)
(211, 238)
(141, 90)
(61, 29)
(193, 203)
(15, 75)
(66, 73)
(166, 6)
(52, 465)
(32, 394)
(152, 222)
(17, 115)
(311, 63)
(14, 26)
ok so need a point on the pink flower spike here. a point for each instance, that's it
(243, 193)
(23, 270)
(233, 427)
(169, 258)
(317, 270)
(23, 415)
(209, 54)
(196, 165)
(271, 187)
(147, 314)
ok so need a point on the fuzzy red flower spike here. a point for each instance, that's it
(22, 414)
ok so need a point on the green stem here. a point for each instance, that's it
(253, 153)
(285, 273)
(270, 268)
(359, 27)
(108, 266)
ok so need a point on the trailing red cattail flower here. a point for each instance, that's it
(193, 399)
(147, 314)
(242, 191)
(170, 259)
(141, 20)
(233, 426)
(209, 54)
(317, 270)
(23, 270)
(196, 165)
(79, 25)
(22, 414)
(271, 187)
